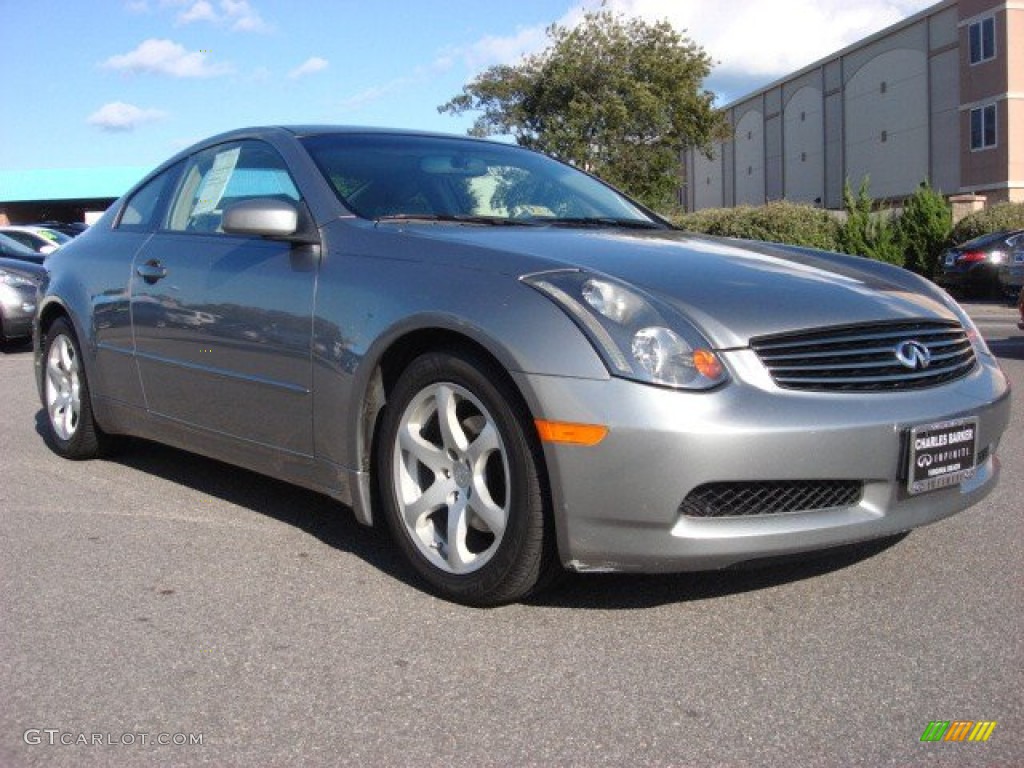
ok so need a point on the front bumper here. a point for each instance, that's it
(617, 504)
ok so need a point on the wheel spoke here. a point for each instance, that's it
(484, 506)
(451, 430)
(435, 497)
(425, 452)
(66, 361)
(458, 554)
(484, 444)
(53, 379)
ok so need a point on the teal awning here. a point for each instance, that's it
(67, 183)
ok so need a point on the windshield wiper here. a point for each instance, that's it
(458, 218)
(596, 221)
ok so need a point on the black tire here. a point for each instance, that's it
(73, 435)
(521, 556)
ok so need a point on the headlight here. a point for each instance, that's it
(9, 278)
(973, 334)
(636, 336)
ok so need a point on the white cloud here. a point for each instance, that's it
(767, 40)
(166, 57)
(751, 41)
(119, 116)
(199, 11)
(309, 66)
(243, 17)
(375, 93)
(137, 6)
(238, 15)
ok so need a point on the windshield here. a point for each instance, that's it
(386, 176)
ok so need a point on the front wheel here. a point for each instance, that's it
(70, 428)
(461, 482)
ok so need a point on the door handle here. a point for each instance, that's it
(151, 271)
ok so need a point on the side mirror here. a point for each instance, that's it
(261, 216)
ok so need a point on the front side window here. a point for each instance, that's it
(221, 176)
(983, 127)
(396, 176)
(142, 211)
(982, 39)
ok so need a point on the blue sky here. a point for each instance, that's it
(130, 82)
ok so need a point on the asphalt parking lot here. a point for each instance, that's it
(165, 597)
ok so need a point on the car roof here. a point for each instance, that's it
(991, 237)
(300, 131)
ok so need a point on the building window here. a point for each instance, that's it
(883, 87)
(982, 36)
(885, 136)
(983, 127)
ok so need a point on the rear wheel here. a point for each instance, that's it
(71, 430)
(460, 480)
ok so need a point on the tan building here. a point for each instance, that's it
(938, 96)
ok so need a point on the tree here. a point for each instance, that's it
(615, 96)
(924, 229)
(867, 232)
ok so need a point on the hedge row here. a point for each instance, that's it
(912, 239)
(779, 222)
(994, 219)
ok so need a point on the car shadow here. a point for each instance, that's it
(17, 347)
(1010, 348)
(328, 520)
(335, 525)
(617, 591)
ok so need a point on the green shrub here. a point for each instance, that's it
(866, 231)
(777, 222)
(924, 229)
(995, 219)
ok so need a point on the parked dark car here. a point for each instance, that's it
(512, 365)
(19, 287)
(972, 268)
(1011, 273)
(1020, 307)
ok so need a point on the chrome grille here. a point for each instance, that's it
(862, 358)
(769, 498)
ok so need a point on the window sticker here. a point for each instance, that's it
(216, 181)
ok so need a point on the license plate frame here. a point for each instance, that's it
(942, 454)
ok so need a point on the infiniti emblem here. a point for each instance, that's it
(913, 355)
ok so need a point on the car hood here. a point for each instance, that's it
(733, 290)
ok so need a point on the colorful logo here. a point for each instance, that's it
(958, 730)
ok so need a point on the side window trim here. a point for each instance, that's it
(157, 215)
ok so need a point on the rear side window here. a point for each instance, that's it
(224, 175)
(142, 213)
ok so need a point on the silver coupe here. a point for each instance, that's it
(513, 366)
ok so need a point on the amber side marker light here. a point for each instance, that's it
(707, 364)
(573, 434)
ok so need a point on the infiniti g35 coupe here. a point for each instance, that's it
(513, 366)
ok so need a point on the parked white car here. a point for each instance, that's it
(39, 239)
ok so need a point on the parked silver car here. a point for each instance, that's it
(19, 287)
(513, 365)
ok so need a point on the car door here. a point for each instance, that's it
(222, 322)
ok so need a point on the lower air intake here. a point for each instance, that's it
(770, 498)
